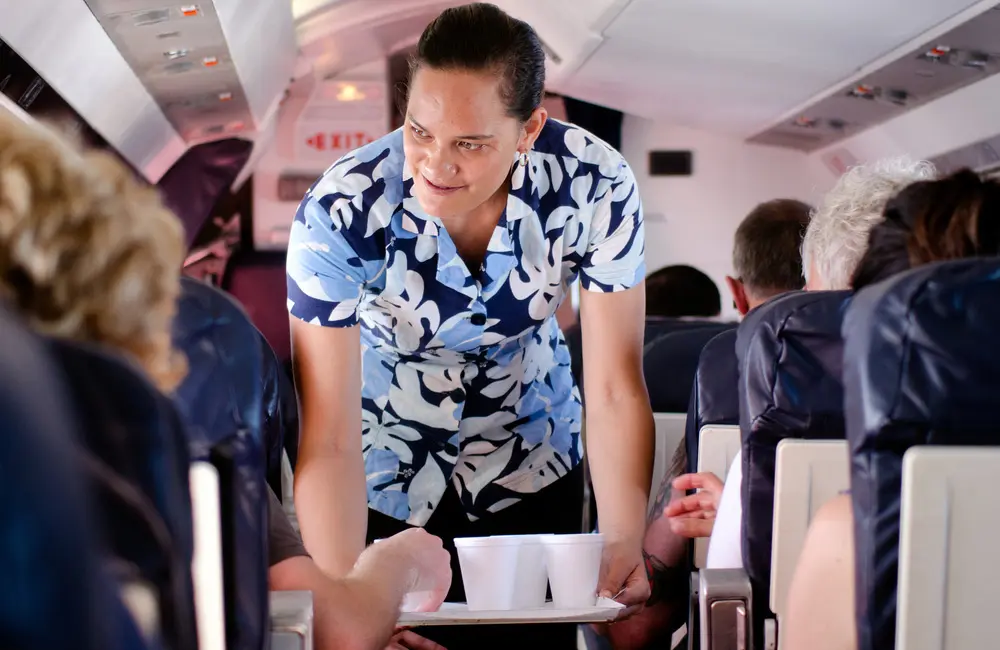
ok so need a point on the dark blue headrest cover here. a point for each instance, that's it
(223, 401)
(714, 397)
(54, 593)
(790, 354)
(138, 441)
(670, 364)
(922, 366)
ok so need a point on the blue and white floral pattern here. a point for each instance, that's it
(466, 379)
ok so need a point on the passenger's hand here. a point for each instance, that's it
(623, 576)
(694, 515)
(428, 562)
(406, 640)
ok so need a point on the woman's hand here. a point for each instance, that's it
(694, 515)
(623, 576)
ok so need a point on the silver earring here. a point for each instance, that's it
(522, 159)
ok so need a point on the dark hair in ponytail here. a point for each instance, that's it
(480, 37)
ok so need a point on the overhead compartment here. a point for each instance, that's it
(66, 45)
(154, 77)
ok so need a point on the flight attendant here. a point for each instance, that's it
(424, 273)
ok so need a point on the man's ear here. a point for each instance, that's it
(739, 295)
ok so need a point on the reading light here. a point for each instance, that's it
(349, 93)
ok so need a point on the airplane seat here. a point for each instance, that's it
(56, 592)
(922, 367)
(234, 416)
(790, 351)
(654, 328)
(257, 281)
(670, 364)
(137, 458)
(714, 398)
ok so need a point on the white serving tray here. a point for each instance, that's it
(458, 614)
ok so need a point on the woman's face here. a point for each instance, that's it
(459, 141)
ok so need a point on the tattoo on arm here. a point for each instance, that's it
(665, 582)
(677, 465)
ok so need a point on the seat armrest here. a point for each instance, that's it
(725, 610)
(291, 620)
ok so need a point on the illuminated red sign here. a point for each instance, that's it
(338, 140)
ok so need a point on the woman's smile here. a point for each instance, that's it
(440, 189)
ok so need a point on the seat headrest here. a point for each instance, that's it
(714, 394)
(790, 354)
(717, 379)
(922, 366)
(670, 364)
(221, 393)
(54, 593)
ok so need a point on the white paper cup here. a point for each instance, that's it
(489, 568)
(574, 564)
(531, 578)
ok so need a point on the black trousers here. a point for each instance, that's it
(556, 509)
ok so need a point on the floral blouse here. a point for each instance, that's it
(466, 377)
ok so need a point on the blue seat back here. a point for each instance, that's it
(714, 397)
(56, 592)
(922, 367)
(790, 354)
(137, 448)
(231, 424)
(670, 364)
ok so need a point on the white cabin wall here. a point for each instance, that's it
(692, 220)
(272, 218)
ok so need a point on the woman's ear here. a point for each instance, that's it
(532, 128)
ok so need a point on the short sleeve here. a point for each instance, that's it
(282, 541)
(325, 273)
(615, 255)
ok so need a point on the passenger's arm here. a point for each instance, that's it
(359, 611)
(330, 492)
(619, 433)
(821, 597)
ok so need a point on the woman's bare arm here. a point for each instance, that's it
(330, 492)
(619, 421)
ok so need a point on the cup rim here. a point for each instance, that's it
(499, 540)
(575, 539)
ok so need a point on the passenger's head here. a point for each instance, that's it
(474, 105)
(767, 255)
(680, 290)
(837, 235)
(933, 221)
(86, 252)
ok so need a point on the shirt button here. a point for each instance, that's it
(478, 319)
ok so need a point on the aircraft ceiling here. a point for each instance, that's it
(731, 67)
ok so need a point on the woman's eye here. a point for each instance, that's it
(470, 146)
(419, 133)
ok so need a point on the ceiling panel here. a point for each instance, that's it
(732, 67)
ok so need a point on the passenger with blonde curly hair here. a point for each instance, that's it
(86, 252)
